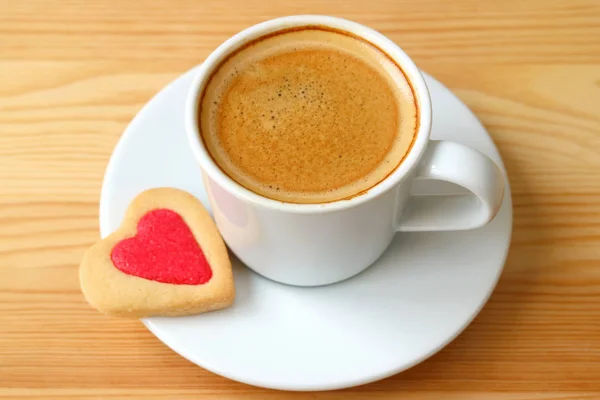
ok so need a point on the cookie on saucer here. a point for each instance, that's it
(166, 259)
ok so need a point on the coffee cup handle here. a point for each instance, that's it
(463, 166)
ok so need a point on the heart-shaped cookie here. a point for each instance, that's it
(167, 258)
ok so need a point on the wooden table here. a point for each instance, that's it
(74, 73)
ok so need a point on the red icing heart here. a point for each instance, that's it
(163, 250)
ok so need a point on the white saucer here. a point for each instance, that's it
(413, 301)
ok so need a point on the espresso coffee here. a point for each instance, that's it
(308, 115)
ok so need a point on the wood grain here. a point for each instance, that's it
(74, 73)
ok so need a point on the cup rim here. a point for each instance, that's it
(413, 74)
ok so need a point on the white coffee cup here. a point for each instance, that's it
(317, 244)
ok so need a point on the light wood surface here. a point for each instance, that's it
(74, 73)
